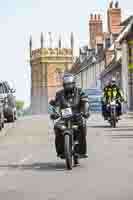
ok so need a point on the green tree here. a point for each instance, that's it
(19, 104)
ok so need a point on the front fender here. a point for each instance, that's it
(67, 132)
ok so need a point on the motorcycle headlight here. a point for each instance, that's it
(113, 103)
(75, 127)
(63, 127)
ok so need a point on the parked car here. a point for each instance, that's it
(9, 102)
(94, 96)
(1, 116)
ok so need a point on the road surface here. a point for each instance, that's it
(29, 169)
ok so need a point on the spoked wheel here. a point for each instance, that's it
(113, 121)
(68, 152)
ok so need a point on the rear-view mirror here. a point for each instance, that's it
(13, 90)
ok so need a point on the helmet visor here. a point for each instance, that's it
(68, 79)
(69, 82)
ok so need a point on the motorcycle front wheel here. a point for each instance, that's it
(113, 120)
(68, 151)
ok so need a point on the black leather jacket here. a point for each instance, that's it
(77, 99)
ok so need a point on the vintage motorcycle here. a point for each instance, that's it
(70, 132)
(112, 111)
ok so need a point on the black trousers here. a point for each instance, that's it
(59, 139)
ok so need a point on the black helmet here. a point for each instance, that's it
(69, 82)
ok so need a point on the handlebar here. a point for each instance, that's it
(114, 99)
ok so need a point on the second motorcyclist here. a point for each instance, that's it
(112, 91)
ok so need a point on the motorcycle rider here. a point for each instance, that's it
(79, 103)
(112, 91)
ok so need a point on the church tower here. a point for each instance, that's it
(47, 68)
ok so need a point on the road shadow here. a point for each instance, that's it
(98, 126)
(126, 126)
(121, 130)
(49, 166)
(121, 136)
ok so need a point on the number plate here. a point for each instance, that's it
(66, 112)
(113, 103)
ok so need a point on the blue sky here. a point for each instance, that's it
(19, 19)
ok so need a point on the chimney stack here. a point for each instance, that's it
(114, 18)
(99, 17)
(116, 4)
(111, 4)
(95, 27)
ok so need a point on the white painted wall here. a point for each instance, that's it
(87, 77)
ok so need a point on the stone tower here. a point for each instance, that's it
(114, 18)
(47, 68)
(95, 27)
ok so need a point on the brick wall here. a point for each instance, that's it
(114, 19)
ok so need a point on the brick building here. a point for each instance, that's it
(101, 54)
(114, 19)
(95, 27)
